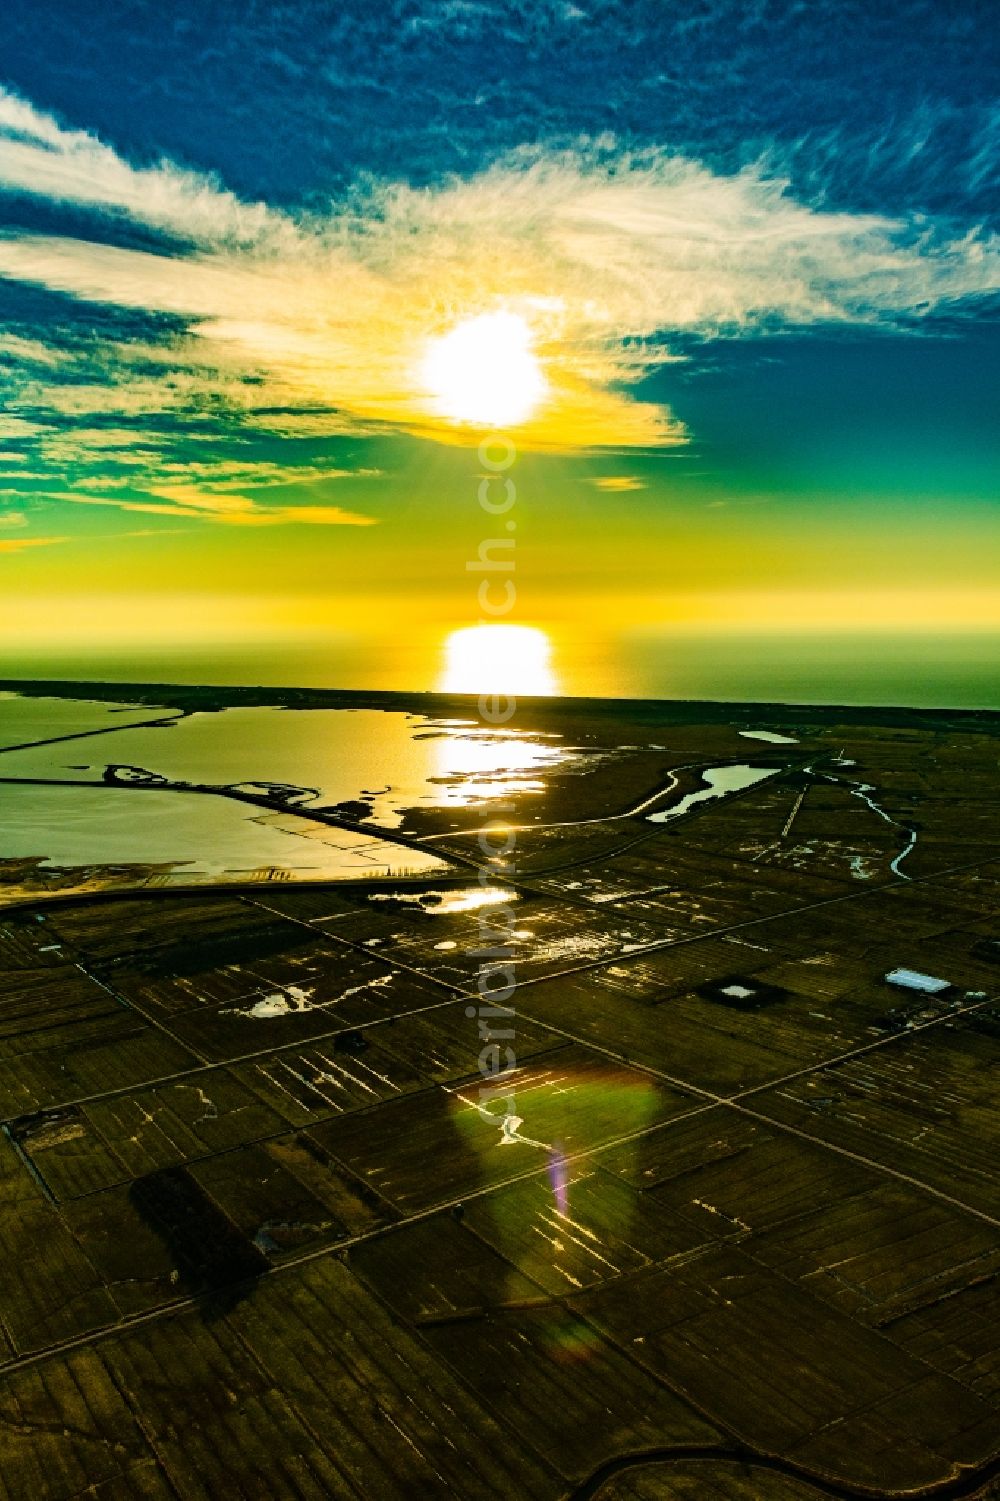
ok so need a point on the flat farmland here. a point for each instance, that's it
(292, 1204)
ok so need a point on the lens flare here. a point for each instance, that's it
(559, 1179)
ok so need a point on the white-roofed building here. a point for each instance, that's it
(912, 979)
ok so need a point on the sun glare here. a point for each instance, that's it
(485, 371)
(510, 659)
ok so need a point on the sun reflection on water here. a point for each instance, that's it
(485, 765)
(498, 659)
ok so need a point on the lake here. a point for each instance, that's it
(386, 761)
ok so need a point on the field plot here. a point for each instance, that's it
(822, 1370)
(925, 1108)
(282, 1218)
(690, 1480)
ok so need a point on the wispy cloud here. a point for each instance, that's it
(615, 259)
(41, 157)
(17, 428)
(231, 510)
(137, 469)
(618, 484)
(30, 351)
(21, 544)
(471, 18)
(298, 516)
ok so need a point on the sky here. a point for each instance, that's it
(724, 276)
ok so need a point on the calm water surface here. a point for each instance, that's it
(720, 780)
(390, 761)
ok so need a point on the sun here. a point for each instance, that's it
(511, 659)
(485, 371)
